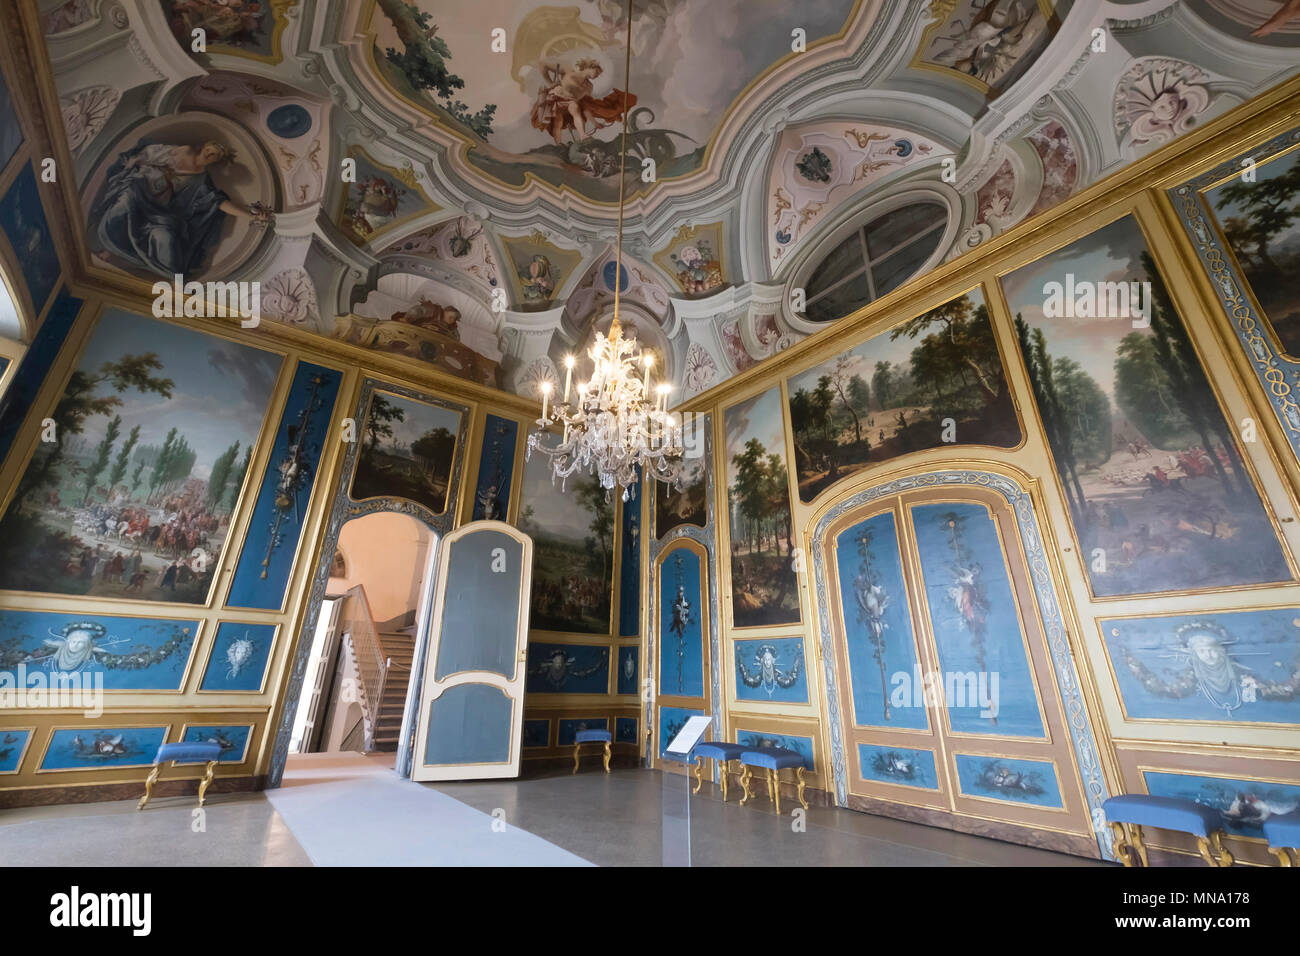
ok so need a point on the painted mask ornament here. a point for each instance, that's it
(238, 654)
(767, 673)
(76, 646)
(1210, 667)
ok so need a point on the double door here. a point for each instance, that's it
(948, 698)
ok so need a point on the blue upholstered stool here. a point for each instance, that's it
(1128, 813)
(591, 737)
(1283, 834)
(773, 760)
(723, 753)
(182, 753)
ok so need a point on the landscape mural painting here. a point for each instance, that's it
(1242, 666)
(1261, 223)
(407, 449)
(877, 624)
(1010, 779)
(127, 653)
(553, 107)
(764, 587)
(573, 550)
(975, 621)
(133, 497)
(1242, 805)
(93, 748)
(675, 508)
(937, 379)
(1150, 466)
(907, 768)
(681, 624)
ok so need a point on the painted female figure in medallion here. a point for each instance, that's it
(161, 212)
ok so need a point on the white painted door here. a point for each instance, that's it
(472, 700)
(322, 648)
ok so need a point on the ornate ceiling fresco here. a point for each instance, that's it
(439, 181)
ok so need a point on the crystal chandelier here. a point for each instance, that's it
(615, 428)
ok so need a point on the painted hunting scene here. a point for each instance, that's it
(1157, 488)
(149, 445)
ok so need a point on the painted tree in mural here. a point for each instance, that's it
(600, 543)
(222, 471)
(958, 361)
(81, 401)
(379, 423)
(1060, 436)
(434, 446)
(872, 600)
(759, 493)
(1269, 211)
(1187, 378)
(123, 460)
(102, 453)
(423, 61)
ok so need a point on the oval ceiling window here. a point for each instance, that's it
(874, 260)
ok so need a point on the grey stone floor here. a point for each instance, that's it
(610, 820)
(616, 820)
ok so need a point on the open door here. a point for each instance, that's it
(472, 699)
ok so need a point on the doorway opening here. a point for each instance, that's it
(359, 672)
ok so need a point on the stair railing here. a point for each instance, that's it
(372, 662)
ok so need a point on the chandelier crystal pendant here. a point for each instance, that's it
(614, 429)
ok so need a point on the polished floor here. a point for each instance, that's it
(557, 819)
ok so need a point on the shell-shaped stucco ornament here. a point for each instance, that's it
(538, 371)
(291, 297)
(1159, 98)
(85, 112)
(701, 369)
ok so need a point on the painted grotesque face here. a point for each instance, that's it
(78, 643)
(1207, 650)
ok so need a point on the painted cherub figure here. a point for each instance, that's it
(566, 101)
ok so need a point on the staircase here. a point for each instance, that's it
(398, 645)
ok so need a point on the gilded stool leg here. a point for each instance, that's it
(774, 786)
(745, 774)
(575, 757)
(1283, 857)
(1119, 840)
(206, 782)
(607, 753)
(148, 786)
(699, 774)
(722, 778)
(1224, 854)
(1138, 844)
(802, 784)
